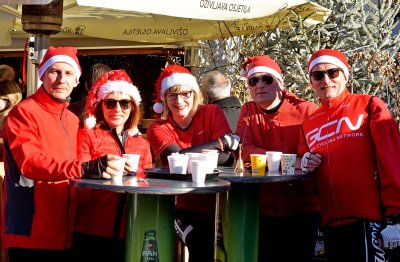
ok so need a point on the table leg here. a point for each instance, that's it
(152, 213)
(239, 209)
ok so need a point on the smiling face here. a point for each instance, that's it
(116, 116)
(59, 80)
(180, 106)
(328, 87)
(267, 95)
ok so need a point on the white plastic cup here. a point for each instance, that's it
(210, 161)
(192, 156)
(288, 164)
(198, 171)
(178, 163)
(133, 160)
(121, 164)
(273, 160)
(214, 160)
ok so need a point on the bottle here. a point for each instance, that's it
(239, 168)
(220, 254)
(149, 247)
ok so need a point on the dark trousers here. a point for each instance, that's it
(288, 238)
(197, 231)
(93, 248)
(42, 255)
(353, 242)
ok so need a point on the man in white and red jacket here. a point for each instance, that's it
(40, 139)
(353, 145)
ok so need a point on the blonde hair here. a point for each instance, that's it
(10, 91)
(197, 100)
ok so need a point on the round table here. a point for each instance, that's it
(240, 207)
(150, 207)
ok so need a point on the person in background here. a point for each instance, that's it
(352, 143)
(188, 126)
(40, 139)
(7, 73)
(216, 89)
(78, 108)
(10, 95)
(289, 212)
(113, 114)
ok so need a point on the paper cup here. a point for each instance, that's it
(288, 164)
(258, 164)
(133, 160)
(273, 160)
(178, 163)
(210, 161)
(198, 171)
(192, 156)
(121, 165)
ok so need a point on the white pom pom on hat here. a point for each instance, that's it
(173, 75)
(113, 81)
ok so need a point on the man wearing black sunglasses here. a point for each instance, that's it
(271, 122)
(353, 144)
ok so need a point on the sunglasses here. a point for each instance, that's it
(183, 95)
(332, 73)
(111, 103)
(265, 78)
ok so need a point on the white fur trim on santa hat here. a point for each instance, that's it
(59, 58)
(179, 79)
(264, 69)
(119, 86)
(331, 60)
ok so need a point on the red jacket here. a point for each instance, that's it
(97, 209)
(40, 143)
(261, 131)
(208, 124)
(360, 144)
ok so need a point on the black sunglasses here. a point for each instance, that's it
(265, 78)
(111, 103)
(332, 73)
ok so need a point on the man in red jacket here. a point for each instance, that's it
(40, 138)
(353, 144)
(289, 212)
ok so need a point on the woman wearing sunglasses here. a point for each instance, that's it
(113, 110)
(353, 144)
(188, 126)
(271, 122)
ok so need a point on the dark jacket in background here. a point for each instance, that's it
(231, 107)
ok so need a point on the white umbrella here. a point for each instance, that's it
(160, 21)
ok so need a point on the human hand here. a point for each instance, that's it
(310, 162)
(114, 167)
(230, 141)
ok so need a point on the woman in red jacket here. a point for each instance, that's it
(113, 110)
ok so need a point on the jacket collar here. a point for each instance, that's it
(48, 103)
(335, 101)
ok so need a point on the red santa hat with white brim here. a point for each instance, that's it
(113, 81)
(60, 54)
(173, 75)
(330, 56)
(261, 64)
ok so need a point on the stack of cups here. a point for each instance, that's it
(211, 159)
(288, 164)
(178, 163)
(273, 160)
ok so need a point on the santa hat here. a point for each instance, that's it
(261, 64)
(113, 81)
(60, 54)
(171, 76)
(330, 56)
